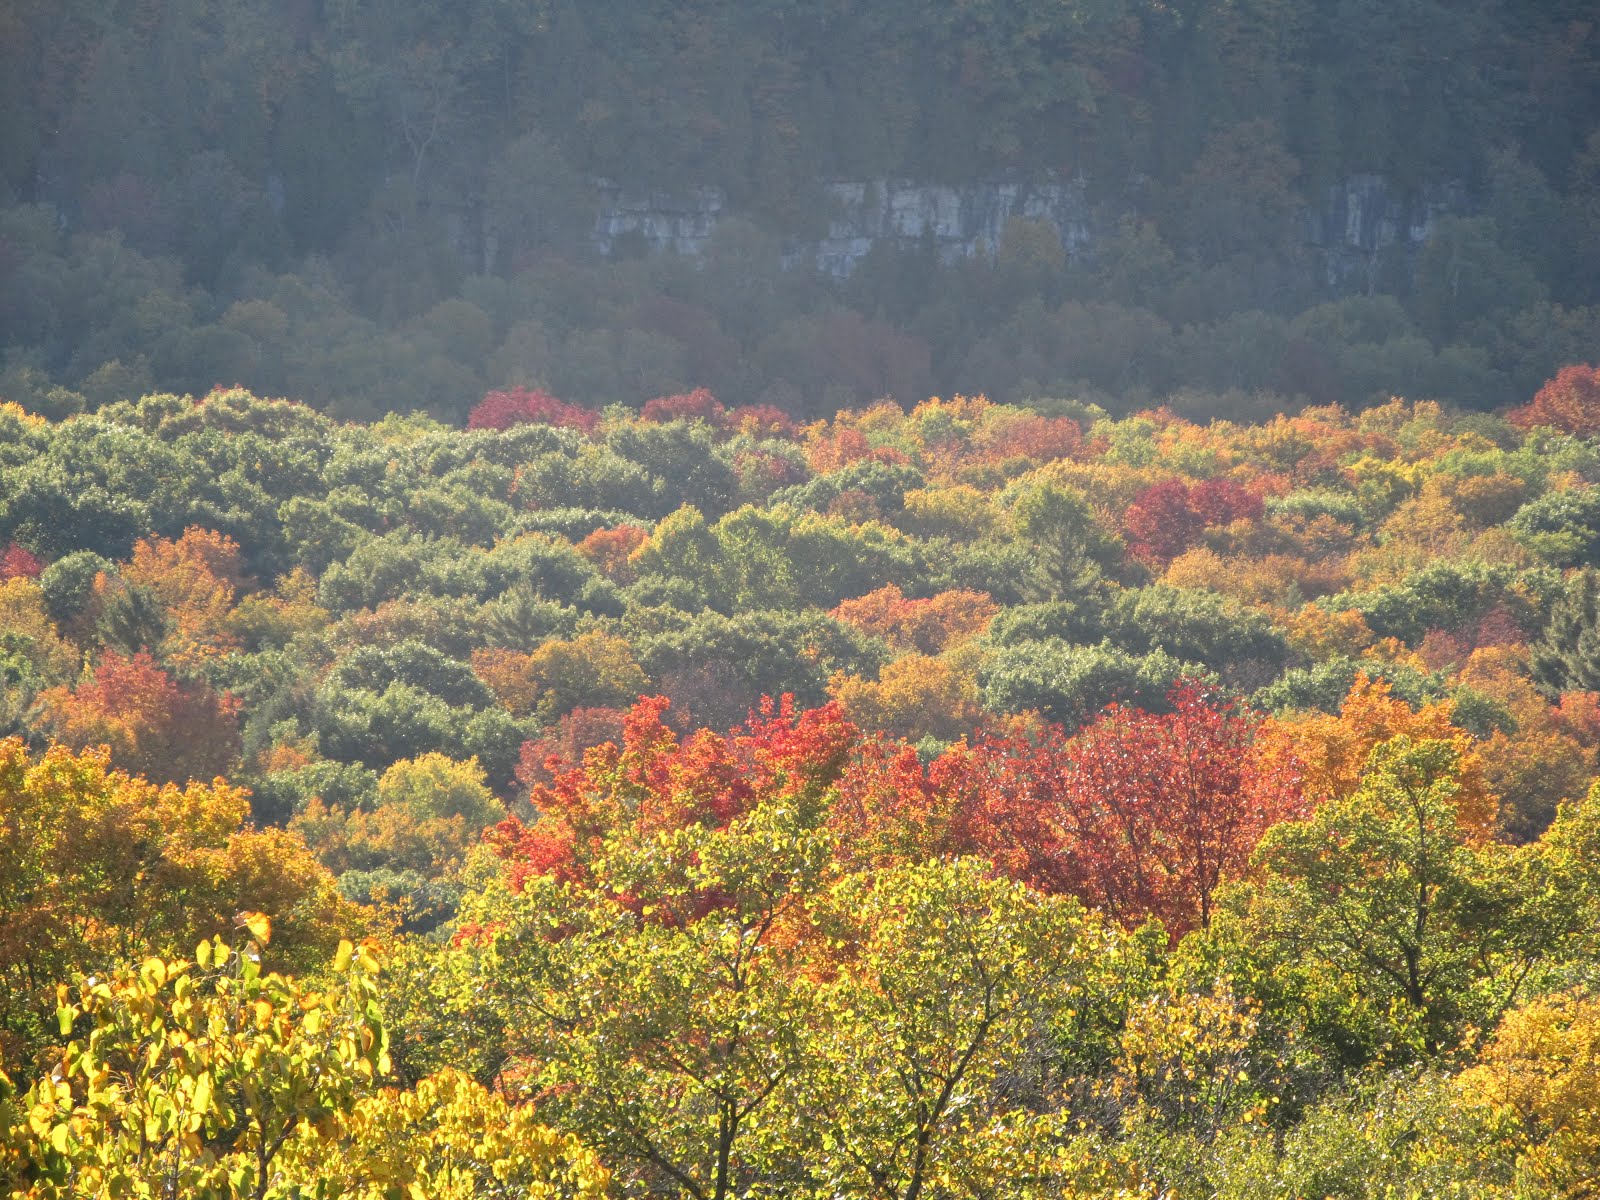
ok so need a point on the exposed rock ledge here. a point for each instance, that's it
(1359, 222)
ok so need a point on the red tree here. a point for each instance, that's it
(519, 406)
(1159, 808)
(655, 782)
(1160, 523)
(1141, 814)
(1167, 518)
(698, 405)
(155, 726)
(1570, 402)
(19, 563)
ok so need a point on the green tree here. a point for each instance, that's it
(1071, 549)
(1567, 657)
(913, 1078)
(660, 1008)
(1389, 925)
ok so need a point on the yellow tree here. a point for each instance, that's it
(196, 578)
(1542, 1073)
(100, 866)
(209, 1077)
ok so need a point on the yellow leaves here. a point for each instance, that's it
(258, 924)
(447, 1139)
(273, 619)
(202, 1094)
(961, 512)
(595, 668)
(1543, 1069)
(1318, 634)
(915, 695)
(186, 1080)
(24, 617)
(1183, 1055)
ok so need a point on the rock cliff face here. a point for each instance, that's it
(961, 222)
(678, 223)
(1361, 223)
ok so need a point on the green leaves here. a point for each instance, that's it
(1390, 923)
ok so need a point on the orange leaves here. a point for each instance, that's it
(829, 449)
(610, 551)
(925, 626)
(154, 725)
(1333, 751)
(196, 579)
(654, 783)
(509, 675)
(1569, 402)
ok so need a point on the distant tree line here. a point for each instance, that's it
(380, 208)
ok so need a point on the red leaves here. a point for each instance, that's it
(1157, 809)
(1570, 402)
(1166, 519)
(1141, 814)
(698, 405)
(520, 406)
(155, 726)
(654, 782)
(17, 563)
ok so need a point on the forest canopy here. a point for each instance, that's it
(643, 774)
(623, 600)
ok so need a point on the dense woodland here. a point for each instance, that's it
(962, 800)
(380, 207)
(609, 733)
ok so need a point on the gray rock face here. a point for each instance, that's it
(676, 223)
(960, 222)
(1363, 220)
(1360, 223)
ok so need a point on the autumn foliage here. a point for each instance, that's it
(16, 562)
(925, 626)
(653, 782)
(518, 406)
(154, 724)
(1166, 519)
(1570, 402)
(1140, 814)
